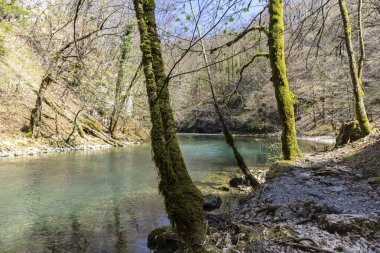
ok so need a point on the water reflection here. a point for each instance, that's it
(116, 183)
(104, 201)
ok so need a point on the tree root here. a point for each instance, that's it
(349, 132)
(84, 124)
(296, 243)
(100, 135)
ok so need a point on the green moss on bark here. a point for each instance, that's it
(360, 111)
(163, 92)
(183, 201)
(284, 97)
(125, 49)
(35, 117)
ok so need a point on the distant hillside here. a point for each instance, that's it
(318, 76)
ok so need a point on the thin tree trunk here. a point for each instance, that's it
(313, 107)
(227, 135)
(125, 48)
(360, 111)
(127, 95)
(35, 118)
(284, 96)
(183, 201)
(361, 40)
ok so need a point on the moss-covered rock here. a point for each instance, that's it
(375, 181)
(236, 181)
(163, 240)
(211, 202)
(278, 169)
(349, 132)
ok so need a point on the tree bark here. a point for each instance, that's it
(125, 49)
(183, 201)
(284, 96)
(361, 40)
(360, 111)
(127, 95)
(35, 118)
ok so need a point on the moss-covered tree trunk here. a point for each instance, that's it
(35, 117)
(360, 111)
(162, 87)
(191, 228)
(183, 201)
(125, 49)
(284, 96)
(127, 94)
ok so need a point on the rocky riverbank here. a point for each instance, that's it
(22, 146)
(328, 202)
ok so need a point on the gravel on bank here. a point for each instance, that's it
(328, 202)
(17, 147)
(33, 151)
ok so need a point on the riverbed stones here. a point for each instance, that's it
(211, 202)
(218, 221)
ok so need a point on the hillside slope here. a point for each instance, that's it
(20, 75)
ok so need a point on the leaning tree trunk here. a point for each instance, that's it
(227, 135)
(35, 117)
(183, 201)
(284, 96)
(360, 111)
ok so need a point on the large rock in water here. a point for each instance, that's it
(211, 202)
(163, 240)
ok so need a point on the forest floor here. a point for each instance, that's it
(327, 202)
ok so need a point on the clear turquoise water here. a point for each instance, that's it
(101, 201)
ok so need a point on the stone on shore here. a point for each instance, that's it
(211, 202)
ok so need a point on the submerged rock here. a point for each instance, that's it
(163, 240)
(211, 202)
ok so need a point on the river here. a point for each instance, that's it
(106, 200)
